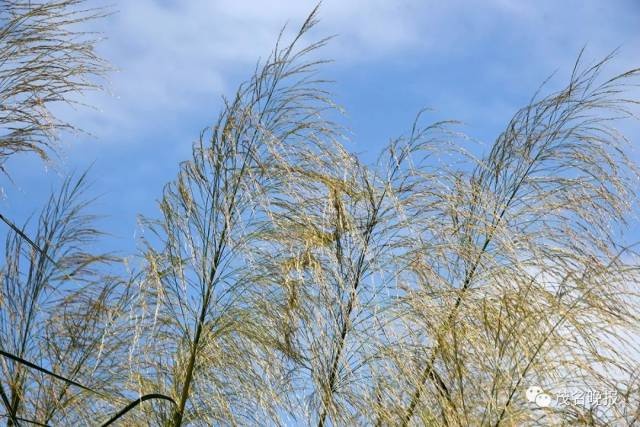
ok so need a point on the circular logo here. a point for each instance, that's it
(543, 400)
(532, 392)
(535, 395)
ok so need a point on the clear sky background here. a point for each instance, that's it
(474, 61)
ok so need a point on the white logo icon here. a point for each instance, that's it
(543, 400)
(535, 394)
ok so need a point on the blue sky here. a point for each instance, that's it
(474, 61)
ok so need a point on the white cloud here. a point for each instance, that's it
(176, 55)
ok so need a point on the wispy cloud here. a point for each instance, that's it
(176, 55)
(172, 55)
